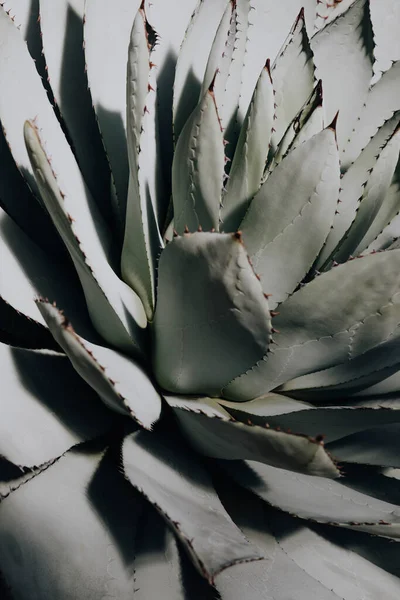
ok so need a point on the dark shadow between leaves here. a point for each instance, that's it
(74, 403)
(118, 505)
(77, 110)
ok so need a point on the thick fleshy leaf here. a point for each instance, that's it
(212, 320)
(62, 537)
(381, 102)
(171, 479)
(18, 201)
(316, 335)
(198, 168)
(251, 153)
(333, 422)
(106, 39)
(317, 498)
(193, 57)
(142, 241)
(352, 186)
(293, 77)
(162, 570)
(105, 293)
(375, 446)
(215, 433)
(61, 25)
(301, 193)
(308, 122)
(41, 419)
(327, 11)
(363, 230)
(122, 384)
(347, 574)
(251, 581)
(343, 59)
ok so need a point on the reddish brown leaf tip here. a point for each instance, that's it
(333, 125)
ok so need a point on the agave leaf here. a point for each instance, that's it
(220, 55)
(301, 193)
(352, 189)
(251, 153)
(198, 168)
(380, 104)
(161, 569)
(347, 574)
(389, 385)
(270, 574)
(268, 405)
(142, 241)
(61, 26)
(106, 36)
(375, 446)
(122, 384)
(363, 230)
(27, 271)
(230, 118)
(319, 499)
(215, 433)
(19, 330)
(350, 377)
(333, 422)
(316, 335)
(385, 15)
(69, 510)
(308, 122)
(192, 59)
(41, 419)
(172, 480)
(214, 319)
(343, 59)
(105, 293)
(18, 201)
(293, 78)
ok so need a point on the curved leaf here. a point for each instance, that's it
(105, 293)
(192, 59)
(142, 241)
(171, 479)
(293, 78)
(19, 330)
(316, 335)
(251, 153)
(122, 384)
(301, 193)
(106, 39)
(211, 318)
(61, 26)
(198, 168)
(342, 56)
(318, 499)
(215, 433)
(375, 446)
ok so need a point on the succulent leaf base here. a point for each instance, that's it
(200, 300)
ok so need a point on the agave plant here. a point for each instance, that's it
(200, 299)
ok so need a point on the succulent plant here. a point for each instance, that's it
(200, 299)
